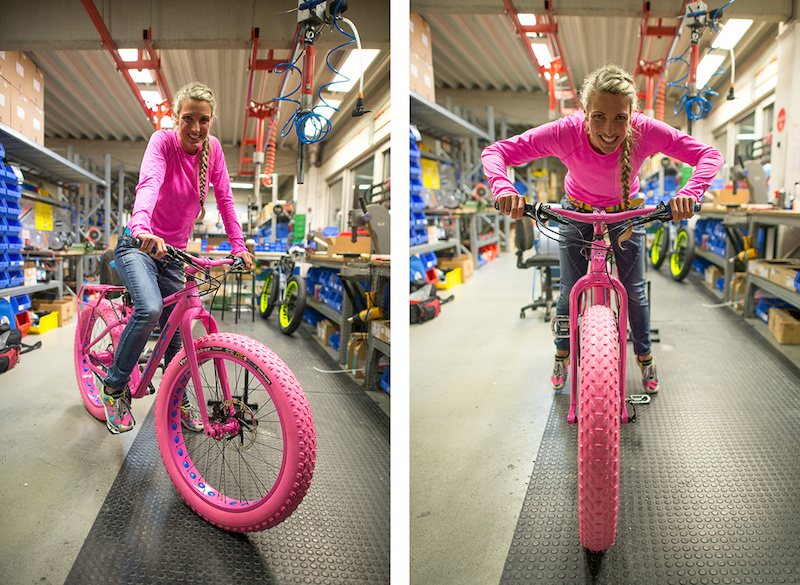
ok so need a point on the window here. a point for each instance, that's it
(362, 183)
(745, 137)
(334, 214)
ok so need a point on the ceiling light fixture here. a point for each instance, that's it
(351, 69)
(707, 67)
(731, 34)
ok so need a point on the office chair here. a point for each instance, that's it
(544, 263)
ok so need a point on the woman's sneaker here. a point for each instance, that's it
(559, 377)
(190, 418)
(649, 375)
(118, 411)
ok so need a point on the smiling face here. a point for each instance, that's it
(194, 122)
(609, 117)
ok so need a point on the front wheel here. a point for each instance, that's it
(269, 295)
(293, 305)
(683, 254)
(252, 467)
(660, 248)
(598, 429)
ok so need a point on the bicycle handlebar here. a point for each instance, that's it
(541, 213)
(197, 262)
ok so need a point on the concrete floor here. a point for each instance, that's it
(58, 462)
(480, 397)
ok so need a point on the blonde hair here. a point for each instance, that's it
(200, 92)
(616, 81)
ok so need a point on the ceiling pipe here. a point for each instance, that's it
(122, 67)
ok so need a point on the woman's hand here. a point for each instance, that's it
(682, 207)
(247, 258)
(511, 204)
(152, 245)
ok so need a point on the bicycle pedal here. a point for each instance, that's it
(639, 399)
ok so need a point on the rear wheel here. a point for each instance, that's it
(293, 305)
(598, 429)
(96, 339)
(683, 254)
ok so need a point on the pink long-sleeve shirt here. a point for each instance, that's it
(168, 195)
(594, 178)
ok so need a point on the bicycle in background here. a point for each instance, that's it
(285, 290)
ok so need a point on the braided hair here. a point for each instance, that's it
(615, 80)
(201, 92)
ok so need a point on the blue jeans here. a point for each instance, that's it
(573, 264)
(148, 281)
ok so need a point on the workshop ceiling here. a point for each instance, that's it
(87, 98)
(476, 49)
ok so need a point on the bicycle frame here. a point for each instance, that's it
(188, 307)
(598, 286)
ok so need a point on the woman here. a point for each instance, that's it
(603, 146)
(176, 169)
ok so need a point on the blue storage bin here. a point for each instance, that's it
(20, 303)
(764, 304)
(5, 282)
(2, 152)
(429, 260)
(13, 208)
(13, 242)
(15, 260)
(13, 226)
(334, 340)
(330, 231)
(16, 277)
(4, 262)
(7, 314)
(385, 379)
(3, 243)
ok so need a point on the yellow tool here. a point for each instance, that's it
(371, 312)
(748, 252)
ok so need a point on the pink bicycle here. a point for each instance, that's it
(598, 328)
(252, 464)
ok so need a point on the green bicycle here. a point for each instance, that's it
(286, 290)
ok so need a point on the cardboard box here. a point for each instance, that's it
(783, 272)
(380, 329)
(65, 308)
(737, 291)
(357, 354)
(784, 326)
(464, 262)
(420, 58)
(759, 267)
(343, 245)
(711, 274)
(726, 196)
(325, 329)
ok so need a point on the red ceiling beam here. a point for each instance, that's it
(259, 110)
(513, 15)
(554, 36)
(162, 83)
(122, 67)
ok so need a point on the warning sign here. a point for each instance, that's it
(781, 121)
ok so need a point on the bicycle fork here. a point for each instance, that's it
(597, 287)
